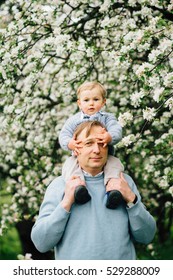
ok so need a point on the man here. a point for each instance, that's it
(92, 231)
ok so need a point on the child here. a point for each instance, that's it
(91, 98)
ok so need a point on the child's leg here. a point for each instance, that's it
(71, 168)
(112, 169)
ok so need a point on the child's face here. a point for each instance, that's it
(91, 101)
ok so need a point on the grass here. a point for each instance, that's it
(10, 245)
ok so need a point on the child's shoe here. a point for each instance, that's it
(114, 199)
(81, 195)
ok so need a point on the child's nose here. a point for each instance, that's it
(91, 101)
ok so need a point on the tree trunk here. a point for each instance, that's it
(24, 230)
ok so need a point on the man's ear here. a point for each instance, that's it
(75, 153)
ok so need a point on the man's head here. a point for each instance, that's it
(92, 155)
(91, 97)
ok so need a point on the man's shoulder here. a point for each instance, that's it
(57, 183)
(57, 179)
(55, 190)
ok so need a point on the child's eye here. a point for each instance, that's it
(96, 99)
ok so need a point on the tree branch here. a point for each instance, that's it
(165, 14)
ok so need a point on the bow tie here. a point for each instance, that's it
(94, 117)
(86, 117)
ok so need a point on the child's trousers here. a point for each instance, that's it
(111, 170)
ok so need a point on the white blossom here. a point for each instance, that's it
(127, 140)
(105, 5)
(171, 190)
(149, 114)
(27, 256)
(168, 79)
(169, 103)
(125, 118)
(157, 93)
(145, 66)
(136, 98)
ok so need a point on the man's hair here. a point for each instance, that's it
(88, 125)
(90, 86)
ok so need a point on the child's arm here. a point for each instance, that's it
(104, 137)
(113, 128)
(73, 145)
(113, 134)
(67, 131)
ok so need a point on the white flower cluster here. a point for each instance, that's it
(125, 118)
(149, 114)
(106, 4)
(127, 140)
(171, 190)
(144, 67)
(136, 98)
(27, 256)
(169, 103)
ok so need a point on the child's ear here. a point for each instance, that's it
(78, 103)
(104, 101)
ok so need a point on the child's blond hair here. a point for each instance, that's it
(90, 86)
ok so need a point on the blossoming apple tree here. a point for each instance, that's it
(48, 48)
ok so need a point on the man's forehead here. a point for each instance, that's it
(94, 130)
(90, 138)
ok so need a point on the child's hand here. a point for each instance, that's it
(74, 145)
(121, 185)
(104, 137)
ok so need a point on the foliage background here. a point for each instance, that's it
(48, 48)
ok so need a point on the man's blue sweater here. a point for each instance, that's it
(91, 231)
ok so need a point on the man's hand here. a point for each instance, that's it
(121, 185)
(104, 137)
(74, 145)
(70, 187)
